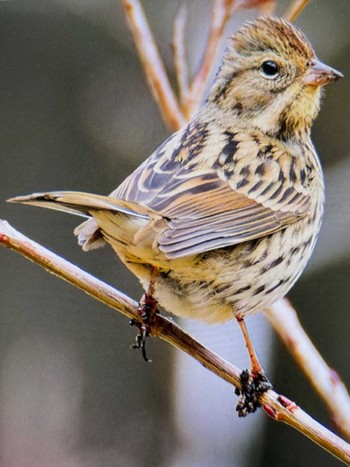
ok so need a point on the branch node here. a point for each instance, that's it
(271, 412)
(4, 238)
(287, 403)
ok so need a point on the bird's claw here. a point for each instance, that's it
(253, 385)
(140, 339)
(147, 309)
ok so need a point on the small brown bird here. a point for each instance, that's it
(222, 218)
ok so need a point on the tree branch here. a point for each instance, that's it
(325, 381)
(276, 406)
(294, 9)
(221, 12)
(153, 65)
(179, 51)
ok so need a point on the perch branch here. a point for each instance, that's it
(276, 406)
(323, 379)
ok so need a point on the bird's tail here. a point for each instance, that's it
(85, 205)
(82, 204)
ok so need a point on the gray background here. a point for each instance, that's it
(75, 113)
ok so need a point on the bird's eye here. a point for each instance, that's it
(269, 69)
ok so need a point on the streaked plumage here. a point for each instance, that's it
(228, 209)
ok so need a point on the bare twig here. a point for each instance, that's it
(153, 65)
(295, 8)
(221, 12)
(179, 50)
(276, 406)
(324, 380)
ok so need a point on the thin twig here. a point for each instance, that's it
(221, 12)
(153, 65)
(276, 406)
(294, 9)
(179, 50)
(325, 381)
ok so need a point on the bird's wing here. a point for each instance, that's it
(238, 190)
(208, 196)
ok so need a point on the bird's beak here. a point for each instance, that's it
(320, 74)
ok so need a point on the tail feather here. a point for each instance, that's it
(85, 204)
(82, 204)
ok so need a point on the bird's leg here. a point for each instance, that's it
(147, 309)
(148, 304)
(254, 382)
(255, 365)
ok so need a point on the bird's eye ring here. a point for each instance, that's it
(269, 69)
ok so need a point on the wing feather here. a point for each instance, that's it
(227, 195)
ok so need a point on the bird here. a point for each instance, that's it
(221, 220)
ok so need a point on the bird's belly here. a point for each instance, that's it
(241, 279)
(216, 285)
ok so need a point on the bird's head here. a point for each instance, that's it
(271, 76)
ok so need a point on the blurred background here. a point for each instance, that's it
(75, 113)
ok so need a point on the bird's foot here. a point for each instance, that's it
(253, 385)
(147, 309)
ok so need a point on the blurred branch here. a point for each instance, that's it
(153, 65)
(221, 13)
(179, 51)
(325, 380)
(294, 9)
(276, 406)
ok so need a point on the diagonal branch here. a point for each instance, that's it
(221, 12)
(276, 406)
(295, 8)
(325, 381)
(179, 52)
(153, 65)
